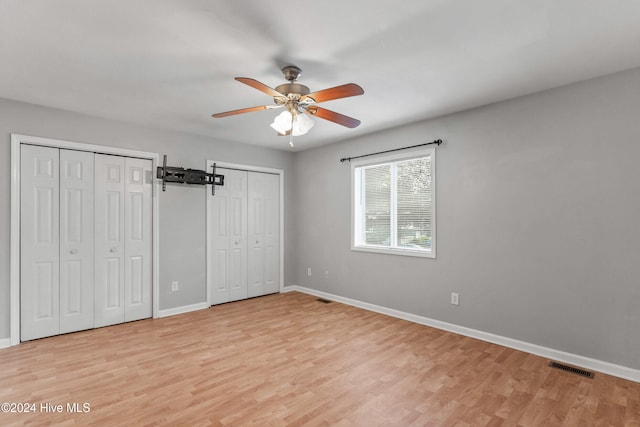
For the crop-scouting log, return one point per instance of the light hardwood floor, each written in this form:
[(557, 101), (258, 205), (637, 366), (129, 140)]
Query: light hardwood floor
[(290, 360)]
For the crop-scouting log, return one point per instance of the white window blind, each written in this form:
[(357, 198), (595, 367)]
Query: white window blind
[(414, 203), (394, 204), (377, 205)]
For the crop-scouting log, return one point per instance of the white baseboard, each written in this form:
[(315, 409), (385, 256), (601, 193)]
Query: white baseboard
[(550, 353), (6, 342), (181, 310)]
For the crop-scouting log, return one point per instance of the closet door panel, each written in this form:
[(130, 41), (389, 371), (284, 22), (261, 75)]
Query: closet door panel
[(138, 242), (256, 234), (271, 233), (109, 239), (220, 240), (229, 238), (238, 235), (220, 279), (76, 241), (39, 242), (264, 233)]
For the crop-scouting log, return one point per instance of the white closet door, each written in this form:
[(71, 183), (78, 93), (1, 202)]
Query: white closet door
[(138, 243), (220, 242), (229, 238), (271, 233), (109, 239), (238, 235), (263, 229), (256, 234), (39, 242), (76, 241)]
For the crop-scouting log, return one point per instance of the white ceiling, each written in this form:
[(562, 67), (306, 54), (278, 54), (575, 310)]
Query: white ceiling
[(170, 63)]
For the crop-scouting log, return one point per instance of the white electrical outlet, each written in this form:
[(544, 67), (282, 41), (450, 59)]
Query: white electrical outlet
[(175, 286), (455, 298), (326, 274), (309, 271)]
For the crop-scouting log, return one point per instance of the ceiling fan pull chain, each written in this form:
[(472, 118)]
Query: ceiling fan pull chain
[(291, 131)]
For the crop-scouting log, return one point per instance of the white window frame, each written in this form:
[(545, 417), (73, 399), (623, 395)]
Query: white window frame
[(357, 242)]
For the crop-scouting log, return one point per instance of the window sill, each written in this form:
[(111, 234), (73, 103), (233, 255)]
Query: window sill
[(389, 251)]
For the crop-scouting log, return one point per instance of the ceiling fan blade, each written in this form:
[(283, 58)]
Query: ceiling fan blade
[(260, 86), (332, 116), (245, 110), (344, 91)]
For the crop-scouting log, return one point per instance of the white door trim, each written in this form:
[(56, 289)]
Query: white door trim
[(249, 168), (16, 141)]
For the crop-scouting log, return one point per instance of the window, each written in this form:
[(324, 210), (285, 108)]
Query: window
[(394, 204)]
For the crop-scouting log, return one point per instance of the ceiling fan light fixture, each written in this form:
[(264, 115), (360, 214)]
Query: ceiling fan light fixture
[(282, 122), (302, 124), (300, 121)]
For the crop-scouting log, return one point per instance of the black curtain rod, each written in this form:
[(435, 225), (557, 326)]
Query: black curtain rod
[(437, 141)]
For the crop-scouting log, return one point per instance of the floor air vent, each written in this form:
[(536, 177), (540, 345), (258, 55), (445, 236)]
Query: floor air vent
[(322, 300), (571, 369)]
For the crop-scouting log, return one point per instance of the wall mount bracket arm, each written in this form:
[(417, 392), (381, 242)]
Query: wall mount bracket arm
[(188, 176)]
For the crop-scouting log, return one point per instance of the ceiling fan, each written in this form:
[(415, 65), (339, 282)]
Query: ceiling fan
[(299, 103)]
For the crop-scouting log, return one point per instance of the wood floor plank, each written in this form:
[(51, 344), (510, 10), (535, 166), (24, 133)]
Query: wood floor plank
[(288, 360)]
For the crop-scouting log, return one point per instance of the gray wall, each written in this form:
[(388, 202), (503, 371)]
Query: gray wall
[(182, 208), (538, 216)]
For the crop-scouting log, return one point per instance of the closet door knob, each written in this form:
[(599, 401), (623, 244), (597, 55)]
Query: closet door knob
[(113, 250), (73, 251)]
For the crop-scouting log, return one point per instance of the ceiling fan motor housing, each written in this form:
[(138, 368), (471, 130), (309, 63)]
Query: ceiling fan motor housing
[(293, 88)]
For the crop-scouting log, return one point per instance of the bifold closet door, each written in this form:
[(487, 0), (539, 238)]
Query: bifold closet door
[(138, 245), (272, 234), (264, 233), (229, 238), (109, 245), (123, 244), (76, 241), (39, 242), (56, 241)]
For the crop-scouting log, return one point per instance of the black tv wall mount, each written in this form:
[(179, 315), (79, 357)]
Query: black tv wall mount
[(188, 176)]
